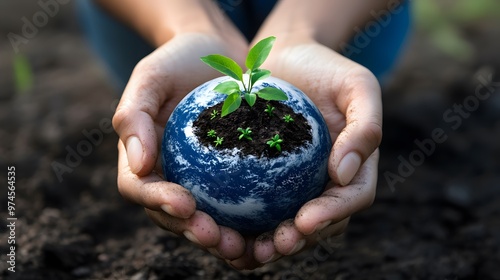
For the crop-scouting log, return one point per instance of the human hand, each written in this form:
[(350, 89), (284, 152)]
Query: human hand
[(348, 96), (156, 86)]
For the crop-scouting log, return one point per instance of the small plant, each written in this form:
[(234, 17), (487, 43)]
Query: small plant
[(275, 142), (269, 110), (211, 133), (255, 58), (218, 141), (288, 118), (214, 114), (245, 133)]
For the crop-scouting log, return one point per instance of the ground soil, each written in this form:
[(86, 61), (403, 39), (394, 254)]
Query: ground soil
[(439, 221), (263, 126)]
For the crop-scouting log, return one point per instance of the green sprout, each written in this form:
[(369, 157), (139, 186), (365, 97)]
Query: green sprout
[(288, 118), (269, 110), (211, 133), (218, 141), (255, 58), (23, 73), (245, 133), (214, 114), (275, 142)]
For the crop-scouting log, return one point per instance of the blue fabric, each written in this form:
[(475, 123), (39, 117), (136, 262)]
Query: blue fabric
[(116, 44), (376, 46)]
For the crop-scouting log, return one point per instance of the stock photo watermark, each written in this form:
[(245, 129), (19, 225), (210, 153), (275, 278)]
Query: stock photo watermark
[(306, 268), (454, 118), (39, 19), (372, 28), (11, 218), (84, 148)]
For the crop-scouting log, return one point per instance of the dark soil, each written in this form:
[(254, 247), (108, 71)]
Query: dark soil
[(440, 222), (264, 127)]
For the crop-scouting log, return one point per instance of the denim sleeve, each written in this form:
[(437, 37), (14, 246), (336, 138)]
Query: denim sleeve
[(377, 44)]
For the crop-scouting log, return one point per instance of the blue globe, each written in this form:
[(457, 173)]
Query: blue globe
[(249, 194)]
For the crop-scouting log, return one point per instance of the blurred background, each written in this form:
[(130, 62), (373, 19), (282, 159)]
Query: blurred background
[(438, 202)]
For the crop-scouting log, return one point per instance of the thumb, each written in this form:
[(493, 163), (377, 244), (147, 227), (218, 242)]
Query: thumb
[(134, 120), (362, 106)]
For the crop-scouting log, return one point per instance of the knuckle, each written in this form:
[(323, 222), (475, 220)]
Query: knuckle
[(119, 117), (373, 134)]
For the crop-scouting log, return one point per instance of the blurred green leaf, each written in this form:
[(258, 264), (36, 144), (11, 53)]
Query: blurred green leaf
[(448, 39), (443, 21), (465, 11), (427, 14), (23, 74)]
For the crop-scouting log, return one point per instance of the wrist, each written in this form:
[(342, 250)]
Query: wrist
[(158, 21), (327, 22), (194, 16)]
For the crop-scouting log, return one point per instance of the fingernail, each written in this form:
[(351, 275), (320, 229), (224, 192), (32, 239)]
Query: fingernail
[(190, 236), (298, 246), (134, 153), (273, 257), (231, 265), (348, 167), (167, 209), (214, 252), (322, 226)]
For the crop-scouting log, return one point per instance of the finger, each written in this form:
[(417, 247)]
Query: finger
[(200, 228), (135, 116), (152, 191), (288, 240), (264, 250), (231, 245), (247, 260), (340, 202), (361, 104), (329, 231)]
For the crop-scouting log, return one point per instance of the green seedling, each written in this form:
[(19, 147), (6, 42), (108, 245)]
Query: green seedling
[(214, 114), (218, 141), (255, 58), (211, 133), (275, 142), (269, 110), (288, 118), (245, 133)]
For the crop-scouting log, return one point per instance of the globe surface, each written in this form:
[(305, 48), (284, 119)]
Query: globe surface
[(246, 193)]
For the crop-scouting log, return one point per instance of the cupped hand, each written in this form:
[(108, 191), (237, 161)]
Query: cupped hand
[(156, 86), (348, 96)]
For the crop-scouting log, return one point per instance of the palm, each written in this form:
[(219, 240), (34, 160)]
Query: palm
[(156, 86), (348, 96), (174, 69)]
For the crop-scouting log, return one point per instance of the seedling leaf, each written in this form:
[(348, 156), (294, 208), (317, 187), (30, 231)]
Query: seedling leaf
[(232, 102), (250, 98), (228, 87), (211, 133), (258, 53), (214, 114), (225, 65), (271, 93), (288, 118), (275, 142), (218, 141), (259, 74), (245, 133), (269, 110)]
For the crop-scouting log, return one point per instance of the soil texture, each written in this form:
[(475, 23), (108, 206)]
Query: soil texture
[(263, 125)]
